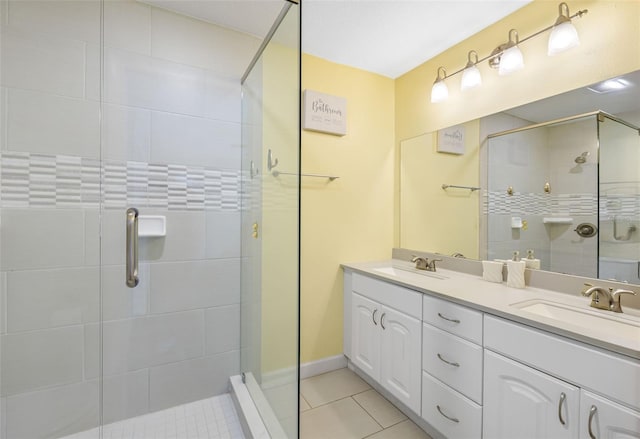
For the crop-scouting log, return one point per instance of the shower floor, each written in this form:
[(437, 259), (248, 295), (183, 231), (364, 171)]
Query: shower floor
[(209, 418)]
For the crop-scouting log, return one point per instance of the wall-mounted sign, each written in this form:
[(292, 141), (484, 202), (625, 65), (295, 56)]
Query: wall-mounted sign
[(451, 140), (324, 113)]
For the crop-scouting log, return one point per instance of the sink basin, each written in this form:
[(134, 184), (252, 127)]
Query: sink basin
[(409, 273), (616, 325)]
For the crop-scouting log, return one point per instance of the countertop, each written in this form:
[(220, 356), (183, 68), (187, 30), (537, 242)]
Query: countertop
[(496, 298)]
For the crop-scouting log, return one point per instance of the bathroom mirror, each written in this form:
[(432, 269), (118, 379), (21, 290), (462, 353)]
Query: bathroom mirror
[(541, 188)]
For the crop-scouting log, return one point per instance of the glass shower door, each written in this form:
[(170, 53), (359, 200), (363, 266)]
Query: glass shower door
[(619, 209), (270, 227)]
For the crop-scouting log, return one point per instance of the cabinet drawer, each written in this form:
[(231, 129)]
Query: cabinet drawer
[(394, 296), (464, 374), (453, 318), (448, 411), (569, 360)]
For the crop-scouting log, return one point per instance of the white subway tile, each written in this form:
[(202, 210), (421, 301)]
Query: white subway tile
[(223, 98), (125, 396), (53, 413), (43, 123), (223, 234), (222, 329), (78, 20), (127, 26), (185, 40), (118, 300), (196, 141), (42, 238), (40, 299), (126, 133), (195, 284), (37, 359), (184, 240), (42, 62), (139, 81), (134, 344), (192, 380)]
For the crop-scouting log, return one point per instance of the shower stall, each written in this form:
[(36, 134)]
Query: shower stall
[(146, 253), (570, 191)]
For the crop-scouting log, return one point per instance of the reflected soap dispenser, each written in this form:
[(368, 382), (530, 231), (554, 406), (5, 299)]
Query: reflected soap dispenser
[(515, 271), (531, 261)]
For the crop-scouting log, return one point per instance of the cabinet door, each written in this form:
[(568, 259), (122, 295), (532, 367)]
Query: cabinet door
[(400, 356), (601, 418), (365, 335), (521, 402)]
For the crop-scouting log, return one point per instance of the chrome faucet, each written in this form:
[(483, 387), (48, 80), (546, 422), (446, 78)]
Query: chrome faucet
[(600, 297), (431, 266), (616, 296)]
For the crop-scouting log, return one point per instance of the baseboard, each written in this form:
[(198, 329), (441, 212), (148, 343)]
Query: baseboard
[(322, 365)]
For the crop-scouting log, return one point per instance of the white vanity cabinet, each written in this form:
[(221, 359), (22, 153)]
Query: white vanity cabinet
[(527, 372), (520, 401), (385, 336), (452, 368), (601, 418)]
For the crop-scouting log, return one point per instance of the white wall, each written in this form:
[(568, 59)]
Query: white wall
[(169, 141)]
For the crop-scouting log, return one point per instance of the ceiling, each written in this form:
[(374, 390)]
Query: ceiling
[(388, 37)]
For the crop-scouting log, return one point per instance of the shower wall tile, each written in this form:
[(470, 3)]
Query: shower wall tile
[(92, 72), (188, 41), (193, 285), (91, 352), (74, 20), (184, 240), (127, 133), (33, 360), (139, 81), (222, 234), (192, 380), (127, 26), (120, 301), (142, 342), (42, 62), (49, 239), (196, 141), (63, 410), (40, 299), (222, 329), (125, 396), (43, 123), (223, 98)]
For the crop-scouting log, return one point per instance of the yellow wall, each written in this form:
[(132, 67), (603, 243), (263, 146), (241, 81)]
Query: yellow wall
[(610, 46), (351, 218)]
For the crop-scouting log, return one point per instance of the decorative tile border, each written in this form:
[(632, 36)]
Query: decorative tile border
[(37, 180), (499, 203)]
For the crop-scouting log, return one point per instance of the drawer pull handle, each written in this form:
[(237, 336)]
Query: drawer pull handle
[(592, 413), (456, 420), (450, 363), (563, 397), (382, 320), (448, 319), (373, 317)]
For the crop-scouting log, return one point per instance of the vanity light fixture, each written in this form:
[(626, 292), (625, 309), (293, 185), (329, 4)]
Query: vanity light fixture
[(507, 57), (511, 59), (471, 75), (440, 91), (564, 35)]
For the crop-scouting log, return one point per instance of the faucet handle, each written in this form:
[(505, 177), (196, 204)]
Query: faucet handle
[(616, 296), (415, 258)]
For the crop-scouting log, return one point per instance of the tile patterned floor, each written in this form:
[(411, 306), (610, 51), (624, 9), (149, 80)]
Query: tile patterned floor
[(211, 418), (340, 405)]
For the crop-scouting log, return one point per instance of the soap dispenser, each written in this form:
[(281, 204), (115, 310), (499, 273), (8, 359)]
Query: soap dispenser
[(531, 261), (515, 271)]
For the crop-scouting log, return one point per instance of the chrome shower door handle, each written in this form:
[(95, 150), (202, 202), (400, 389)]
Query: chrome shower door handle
[(132, 248)]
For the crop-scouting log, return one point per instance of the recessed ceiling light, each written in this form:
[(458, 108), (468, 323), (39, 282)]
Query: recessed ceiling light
[(610, 85)]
